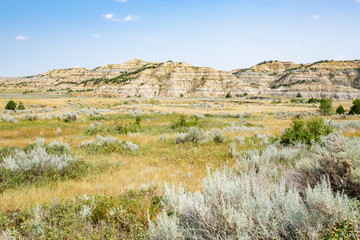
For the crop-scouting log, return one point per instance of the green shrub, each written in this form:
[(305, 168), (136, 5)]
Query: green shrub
[(11, 105), (181, 95), (355, 108), (299, 95), (305, 132), (340, 110), (325, 108), (152, 101), (313, 100), (21, 106), (124, 128), (228, 95), (183, 122)]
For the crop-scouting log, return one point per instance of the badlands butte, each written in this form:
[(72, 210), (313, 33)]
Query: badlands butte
[(136, 78)]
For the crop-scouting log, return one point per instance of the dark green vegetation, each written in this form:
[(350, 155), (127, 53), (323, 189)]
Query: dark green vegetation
[(305, 132), (355, 108), (11, 105), (325, 108), (121, 79), (340, 110)]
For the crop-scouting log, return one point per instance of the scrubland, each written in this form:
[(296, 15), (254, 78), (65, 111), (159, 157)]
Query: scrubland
[(81, 168)]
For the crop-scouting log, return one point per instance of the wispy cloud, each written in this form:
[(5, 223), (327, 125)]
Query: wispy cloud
[(111, 17), (22, 37), (96, 35), (123, 1), (129, 18), (316, 17), (358, 1), (295, 45), (132, 18)]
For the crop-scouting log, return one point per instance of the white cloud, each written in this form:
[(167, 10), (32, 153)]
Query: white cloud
[(123, 1), (316, 17), (129, 18), (22, 37), (341, 57), (358, 1), (295, 45), (132, 18), (111, 17), (96, 35)]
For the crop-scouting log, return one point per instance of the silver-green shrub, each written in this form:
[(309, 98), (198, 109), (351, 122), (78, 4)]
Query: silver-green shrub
[(36, 158), (7, 118), (249, 206), (194, 134)]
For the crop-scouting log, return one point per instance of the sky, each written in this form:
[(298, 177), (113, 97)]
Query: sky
[(41, 35)]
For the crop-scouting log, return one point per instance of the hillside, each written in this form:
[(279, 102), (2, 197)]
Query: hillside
[(335, 79)]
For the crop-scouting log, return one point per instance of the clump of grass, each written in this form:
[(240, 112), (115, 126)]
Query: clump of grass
[(129, 127), (108, 145)]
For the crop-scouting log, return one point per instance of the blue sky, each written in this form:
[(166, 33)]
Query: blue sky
[(40, 35)]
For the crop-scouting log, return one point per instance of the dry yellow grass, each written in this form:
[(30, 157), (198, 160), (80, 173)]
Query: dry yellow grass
[(156, 163)]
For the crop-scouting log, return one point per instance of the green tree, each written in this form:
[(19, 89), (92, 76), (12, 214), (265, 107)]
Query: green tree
[(299, 95), (355, 108), (21, 106), (181, 95), (325, 108), (340, 110), (11, 105), (228, 95)]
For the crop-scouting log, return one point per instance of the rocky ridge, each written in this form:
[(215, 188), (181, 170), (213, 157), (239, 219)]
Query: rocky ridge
[(335, 79)]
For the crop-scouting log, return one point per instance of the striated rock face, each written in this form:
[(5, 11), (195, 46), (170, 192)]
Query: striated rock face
[(274, 67), (172, 79), (335, 79)]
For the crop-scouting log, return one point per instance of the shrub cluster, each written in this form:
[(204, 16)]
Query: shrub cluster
[(305, 132), (107, 145), (38, 164), (275, 193)]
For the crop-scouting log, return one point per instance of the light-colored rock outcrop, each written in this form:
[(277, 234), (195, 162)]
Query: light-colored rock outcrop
[(336, 79)]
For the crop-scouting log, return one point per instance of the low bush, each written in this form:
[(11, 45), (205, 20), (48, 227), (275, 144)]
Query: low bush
[(38, 164), (108, 145), (129, 127), (21, 106), (69, 116), (248, 206), (183, 122), (193, 135), (11, 105), (305, 132), (336, 158), (8, 118)]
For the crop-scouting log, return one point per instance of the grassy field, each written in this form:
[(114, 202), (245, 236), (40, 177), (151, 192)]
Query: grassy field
[(114, 170)]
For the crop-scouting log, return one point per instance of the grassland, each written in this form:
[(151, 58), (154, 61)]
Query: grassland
[(158, 159)]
